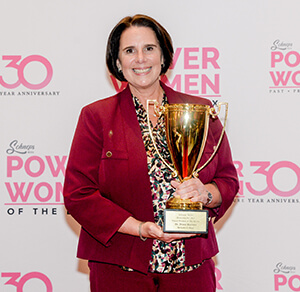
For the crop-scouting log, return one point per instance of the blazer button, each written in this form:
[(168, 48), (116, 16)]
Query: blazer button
[(108, 154)]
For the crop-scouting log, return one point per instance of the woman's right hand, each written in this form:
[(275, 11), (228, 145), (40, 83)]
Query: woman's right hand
[(152, 230)]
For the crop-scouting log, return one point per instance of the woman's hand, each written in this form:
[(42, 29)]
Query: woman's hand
[(152, 230), (149, 230), (196, 191)]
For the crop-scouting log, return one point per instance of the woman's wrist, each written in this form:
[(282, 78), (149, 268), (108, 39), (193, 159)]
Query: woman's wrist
[(209, 198), (140, 231), (214, 198)]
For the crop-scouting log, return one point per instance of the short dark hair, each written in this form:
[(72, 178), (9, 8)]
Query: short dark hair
[(113, 43)]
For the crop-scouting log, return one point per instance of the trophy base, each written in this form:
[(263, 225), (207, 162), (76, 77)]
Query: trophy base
[(186, 221), (185, 216)]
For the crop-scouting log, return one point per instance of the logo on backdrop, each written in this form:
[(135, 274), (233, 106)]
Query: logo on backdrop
[(25, 76), (19, 148), (15, 279), (218, 274), (33, 183), (268, 182), (194, 71), (285, 276), (284, 68)]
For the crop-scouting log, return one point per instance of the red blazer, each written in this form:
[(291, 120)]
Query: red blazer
[(107, 181)]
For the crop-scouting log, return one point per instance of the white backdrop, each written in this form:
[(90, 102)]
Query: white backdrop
[(52, 63)]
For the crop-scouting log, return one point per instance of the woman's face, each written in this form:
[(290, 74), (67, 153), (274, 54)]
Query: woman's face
[(140, 57)]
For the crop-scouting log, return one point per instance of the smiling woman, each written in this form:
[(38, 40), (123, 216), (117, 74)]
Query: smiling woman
[(116, 186), (140, 60)]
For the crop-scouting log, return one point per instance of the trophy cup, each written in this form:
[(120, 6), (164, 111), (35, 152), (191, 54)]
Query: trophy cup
[(186, 127)]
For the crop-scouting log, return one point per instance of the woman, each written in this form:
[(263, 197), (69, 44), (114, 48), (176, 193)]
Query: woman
[(116, 186)]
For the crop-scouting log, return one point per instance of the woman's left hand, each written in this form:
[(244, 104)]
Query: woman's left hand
[(196, 191)]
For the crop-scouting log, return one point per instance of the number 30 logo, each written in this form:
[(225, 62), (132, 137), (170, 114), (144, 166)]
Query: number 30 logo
[(20, 66), (22, 281), (265, 169)]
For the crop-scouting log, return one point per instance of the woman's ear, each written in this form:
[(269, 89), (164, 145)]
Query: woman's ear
[(119, 66), (162, 62)]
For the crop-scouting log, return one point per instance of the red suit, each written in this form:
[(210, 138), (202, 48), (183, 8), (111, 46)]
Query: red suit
[(107, 181)]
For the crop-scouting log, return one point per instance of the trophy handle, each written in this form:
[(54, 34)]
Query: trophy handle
[(214, 115), (158, 110)]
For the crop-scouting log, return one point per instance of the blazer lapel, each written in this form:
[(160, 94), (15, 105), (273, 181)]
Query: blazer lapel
[(172, 95), (138, 168)]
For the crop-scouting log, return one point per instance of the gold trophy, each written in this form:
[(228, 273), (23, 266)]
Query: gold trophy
[(186, 127)]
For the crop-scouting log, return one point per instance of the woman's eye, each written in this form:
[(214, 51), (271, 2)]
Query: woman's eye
[(129, 51), (149, 48)]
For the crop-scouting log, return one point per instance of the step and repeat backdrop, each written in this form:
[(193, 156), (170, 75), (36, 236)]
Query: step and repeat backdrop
[(52, 63)]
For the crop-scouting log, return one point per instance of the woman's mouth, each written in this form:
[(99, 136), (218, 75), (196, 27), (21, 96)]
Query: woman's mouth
[(141, 71)]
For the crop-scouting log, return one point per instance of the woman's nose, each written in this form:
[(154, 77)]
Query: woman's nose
[(140, 57)]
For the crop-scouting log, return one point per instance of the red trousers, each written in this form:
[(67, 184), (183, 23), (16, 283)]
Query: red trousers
[(111, 278)]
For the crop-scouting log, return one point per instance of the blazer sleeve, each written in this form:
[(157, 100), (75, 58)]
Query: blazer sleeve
[(226, 175), (99, 216)]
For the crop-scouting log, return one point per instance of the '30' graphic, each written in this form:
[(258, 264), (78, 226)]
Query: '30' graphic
[(22, 281), (268, 171), (17, 63)]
